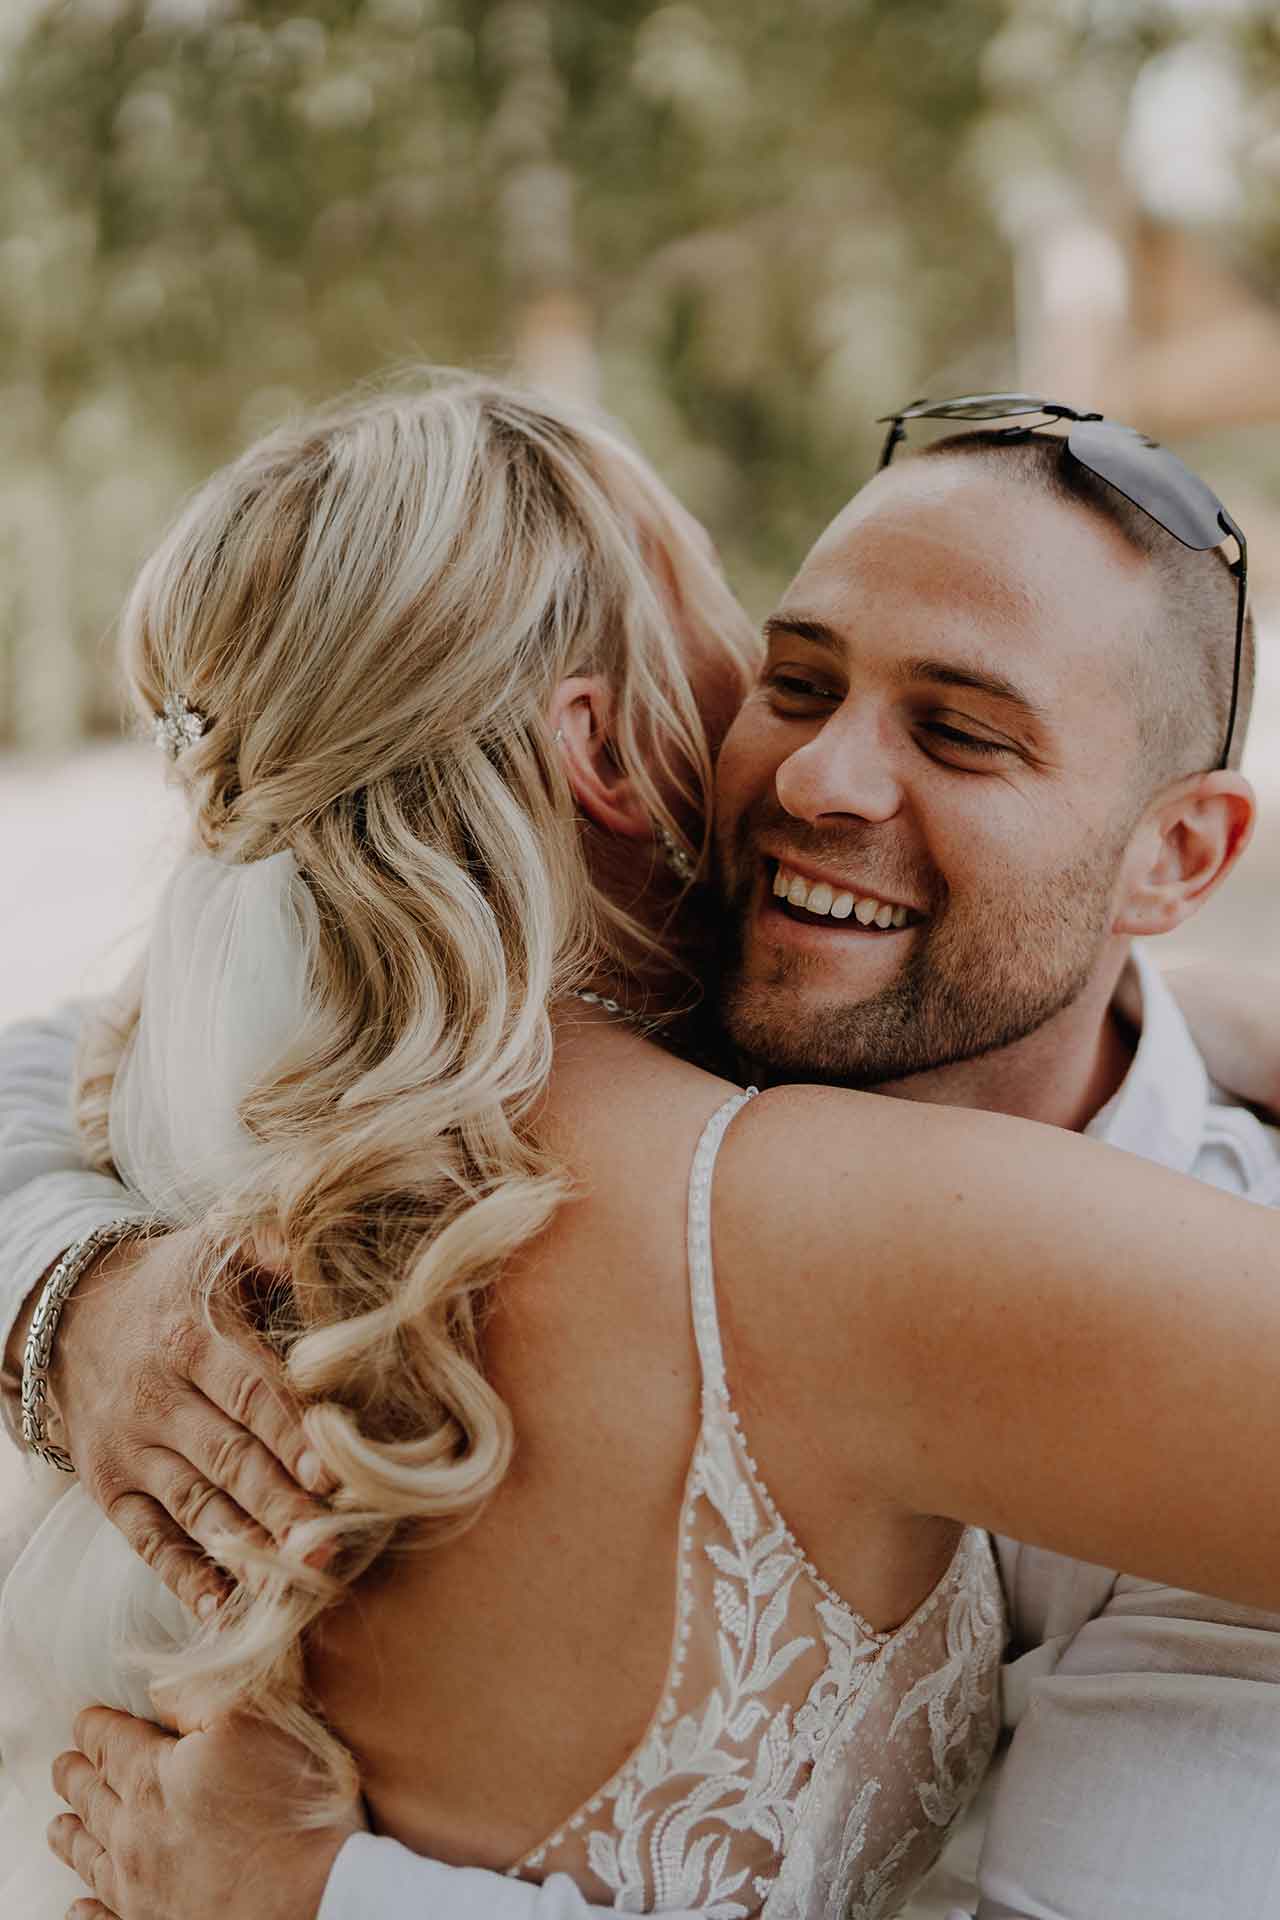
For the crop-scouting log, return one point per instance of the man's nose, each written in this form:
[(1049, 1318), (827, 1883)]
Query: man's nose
[(847, 769)]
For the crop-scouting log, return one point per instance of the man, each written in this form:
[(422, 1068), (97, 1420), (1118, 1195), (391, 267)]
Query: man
[(989, 698), (973, 769)]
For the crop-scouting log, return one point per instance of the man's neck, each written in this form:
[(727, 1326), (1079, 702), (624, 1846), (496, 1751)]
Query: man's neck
[(1062, 1074)]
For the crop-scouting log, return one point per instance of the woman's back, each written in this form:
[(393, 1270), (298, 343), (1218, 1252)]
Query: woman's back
[(488, 1709)]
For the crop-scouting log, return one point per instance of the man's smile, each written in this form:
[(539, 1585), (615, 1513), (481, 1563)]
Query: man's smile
[(795, 907), (823, 898)]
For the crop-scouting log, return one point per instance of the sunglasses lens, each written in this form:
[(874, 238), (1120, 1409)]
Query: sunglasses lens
[(1152, 478), (985, 406), (970, 406)]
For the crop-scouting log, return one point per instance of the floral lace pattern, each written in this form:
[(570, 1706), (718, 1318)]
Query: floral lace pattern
[(801, 1765)]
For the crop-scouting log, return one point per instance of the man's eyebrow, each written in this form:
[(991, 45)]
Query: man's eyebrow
[(980, 679), (813, 631), (944, 673)]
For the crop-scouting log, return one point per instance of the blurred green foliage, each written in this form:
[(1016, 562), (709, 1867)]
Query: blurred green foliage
[(770, 218)]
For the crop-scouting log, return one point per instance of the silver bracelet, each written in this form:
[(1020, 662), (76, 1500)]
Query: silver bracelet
[(38, 1351)]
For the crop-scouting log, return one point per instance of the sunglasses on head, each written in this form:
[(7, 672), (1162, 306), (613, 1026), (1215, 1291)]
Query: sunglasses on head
[(1148, 475)]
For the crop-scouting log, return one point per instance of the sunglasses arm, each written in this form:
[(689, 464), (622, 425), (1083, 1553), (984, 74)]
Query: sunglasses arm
[(1240, 568), (896, 435)]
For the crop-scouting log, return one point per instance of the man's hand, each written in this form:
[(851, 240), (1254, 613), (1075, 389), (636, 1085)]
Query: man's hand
[(191, 1828), (178, 1433)]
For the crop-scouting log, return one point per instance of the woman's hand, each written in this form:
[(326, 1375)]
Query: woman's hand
[(192, 1827), (178, 1433)]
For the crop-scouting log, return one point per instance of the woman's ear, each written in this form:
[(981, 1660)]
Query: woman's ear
[(581, 716)]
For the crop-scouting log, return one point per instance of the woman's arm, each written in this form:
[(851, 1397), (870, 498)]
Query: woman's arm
[(1234, 1019), (1012, 1325)]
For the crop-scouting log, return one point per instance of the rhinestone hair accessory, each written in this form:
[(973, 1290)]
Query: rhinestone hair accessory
[(178, 726), (677, 859)]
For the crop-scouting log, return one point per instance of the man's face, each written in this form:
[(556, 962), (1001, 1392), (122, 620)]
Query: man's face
[(941, 728)]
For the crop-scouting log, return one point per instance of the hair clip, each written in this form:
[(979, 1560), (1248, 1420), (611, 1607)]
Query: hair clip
[(179, 726)]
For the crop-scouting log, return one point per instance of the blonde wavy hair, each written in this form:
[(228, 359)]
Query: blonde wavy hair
[(373, 607)]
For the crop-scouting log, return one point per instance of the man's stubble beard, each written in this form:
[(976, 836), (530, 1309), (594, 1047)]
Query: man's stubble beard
[(967, 987)]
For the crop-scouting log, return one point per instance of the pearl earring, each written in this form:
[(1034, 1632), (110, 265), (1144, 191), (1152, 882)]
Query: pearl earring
[(678, 860)]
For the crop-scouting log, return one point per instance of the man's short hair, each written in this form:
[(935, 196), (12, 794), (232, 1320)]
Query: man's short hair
[(1181, 671)]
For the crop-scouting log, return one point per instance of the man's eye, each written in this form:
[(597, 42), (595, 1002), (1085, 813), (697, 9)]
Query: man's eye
[(795, 686), (967, 742)]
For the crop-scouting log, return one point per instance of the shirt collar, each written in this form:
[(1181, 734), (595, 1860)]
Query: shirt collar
[(1159, 1108)]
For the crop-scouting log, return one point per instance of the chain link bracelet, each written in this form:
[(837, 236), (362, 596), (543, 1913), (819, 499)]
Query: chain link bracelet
[(38, 1351)]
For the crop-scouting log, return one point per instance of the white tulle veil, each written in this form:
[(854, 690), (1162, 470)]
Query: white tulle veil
[(224, 993), (224, 996)]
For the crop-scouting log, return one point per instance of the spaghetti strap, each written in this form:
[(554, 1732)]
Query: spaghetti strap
[(702, 1286)]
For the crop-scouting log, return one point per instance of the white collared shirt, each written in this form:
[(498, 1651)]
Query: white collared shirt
[(1143, 1777), (1168, 1110)]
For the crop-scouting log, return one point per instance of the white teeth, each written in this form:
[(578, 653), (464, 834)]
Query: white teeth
[(821, 899)]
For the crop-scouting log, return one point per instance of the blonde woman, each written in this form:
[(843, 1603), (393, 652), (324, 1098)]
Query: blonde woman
[(442, 675)]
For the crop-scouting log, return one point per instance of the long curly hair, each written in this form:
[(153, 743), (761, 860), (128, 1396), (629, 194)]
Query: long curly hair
[(373, 608)]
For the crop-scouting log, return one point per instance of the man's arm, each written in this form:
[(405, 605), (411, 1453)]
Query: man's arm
[(378, 1879), (178, 1433), (48, 1197), (1143, 1779), (201, 1824)]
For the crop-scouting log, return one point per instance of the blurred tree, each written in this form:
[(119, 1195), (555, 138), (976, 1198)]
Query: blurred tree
[(748, 225)]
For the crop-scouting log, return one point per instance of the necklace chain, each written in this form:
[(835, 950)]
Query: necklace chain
[(615, 1007)]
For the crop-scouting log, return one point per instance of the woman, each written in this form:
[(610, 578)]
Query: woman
[(406, 652)]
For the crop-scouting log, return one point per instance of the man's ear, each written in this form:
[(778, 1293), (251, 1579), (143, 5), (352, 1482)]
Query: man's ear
[(581, 716), (1182, 850)]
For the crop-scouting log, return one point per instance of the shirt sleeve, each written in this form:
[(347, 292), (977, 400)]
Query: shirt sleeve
[(48, 1197), (378, 1879), (1143, 1777)]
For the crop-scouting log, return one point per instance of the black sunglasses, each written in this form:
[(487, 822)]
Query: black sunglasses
[(1147, 474)]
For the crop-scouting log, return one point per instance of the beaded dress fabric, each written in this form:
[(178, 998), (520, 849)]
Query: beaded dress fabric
[(801, 1764)]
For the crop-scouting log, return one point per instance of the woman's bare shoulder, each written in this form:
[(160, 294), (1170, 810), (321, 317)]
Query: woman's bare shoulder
[(626, 1114)]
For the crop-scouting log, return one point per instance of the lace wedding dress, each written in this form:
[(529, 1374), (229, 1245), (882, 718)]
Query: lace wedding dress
[(801, 1764)]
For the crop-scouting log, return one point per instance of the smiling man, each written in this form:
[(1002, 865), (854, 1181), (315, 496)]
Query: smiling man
[(973, 768), (986, 750), (982, 755)]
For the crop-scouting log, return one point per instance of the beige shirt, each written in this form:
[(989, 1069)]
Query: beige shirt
[(1142, 1781)]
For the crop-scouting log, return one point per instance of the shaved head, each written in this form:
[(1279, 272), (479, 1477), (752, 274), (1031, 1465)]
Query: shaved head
[(1178, 672)]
